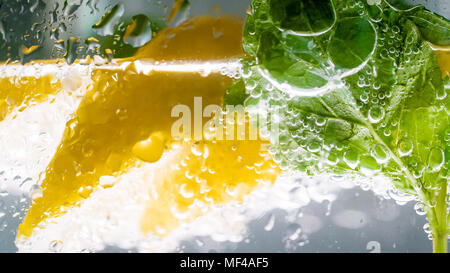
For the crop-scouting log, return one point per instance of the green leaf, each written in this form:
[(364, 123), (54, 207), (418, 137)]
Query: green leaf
[(309, 17), (352, 42), (236, 94), (434, 28), (363, 98)]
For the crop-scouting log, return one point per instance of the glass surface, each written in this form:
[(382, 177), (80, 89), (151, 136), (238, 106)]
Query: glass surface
[(298, 214)]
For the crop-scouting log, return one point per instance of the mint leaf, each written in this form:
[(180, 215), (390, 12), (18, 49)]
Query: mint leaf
[(310, 17), (236, 94), (364, 97), (434, 28), (352, 43)]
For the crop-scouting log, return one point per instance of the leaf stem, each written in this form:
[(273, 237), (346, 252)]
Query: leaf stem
[(437, 216), (440, 243)]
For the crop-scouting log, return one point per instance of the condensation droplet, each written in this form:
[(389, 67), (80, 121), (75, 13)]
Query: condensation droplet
[(139, 32), (109, 20)]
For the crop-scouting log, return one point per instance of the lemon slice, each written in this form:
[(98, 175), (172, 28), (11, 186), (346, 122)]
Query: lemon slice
[(124, 122)]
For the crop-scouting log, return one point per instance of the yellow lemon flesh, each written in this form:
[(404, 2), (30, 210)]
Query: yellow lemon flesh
[(18, 92), (443, 57), (125, 120)]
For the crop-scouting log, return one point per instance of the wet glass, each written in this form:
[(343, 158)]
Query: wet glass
[(296, 214)]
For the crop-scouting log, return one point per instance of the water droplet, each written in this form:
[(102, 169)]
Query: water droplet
[(314, 147), (376, 114), (380, 153), (2, 31), (71, 50), (369, 166), (436, 159), (179, 13), (441, 93), (364, 98), (400, 197), (419, 208), (71, 9), (109, 20), (426, 228), (333, 159), (320, 121), (351, 157), (139, 32), (405, 147)]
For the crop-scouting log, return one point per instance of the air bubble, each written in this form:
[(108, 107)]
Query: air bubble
[(426, 228), (436, 159), (351, 157), (186, 192), (376, 114), (419, 208), (405, 147), (380, 153), (369, 166)]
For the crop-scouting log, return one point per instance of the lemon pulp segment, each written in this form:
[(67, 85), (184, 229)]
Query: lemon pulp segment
[(18, 92), (207, 174), (443, 57)]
